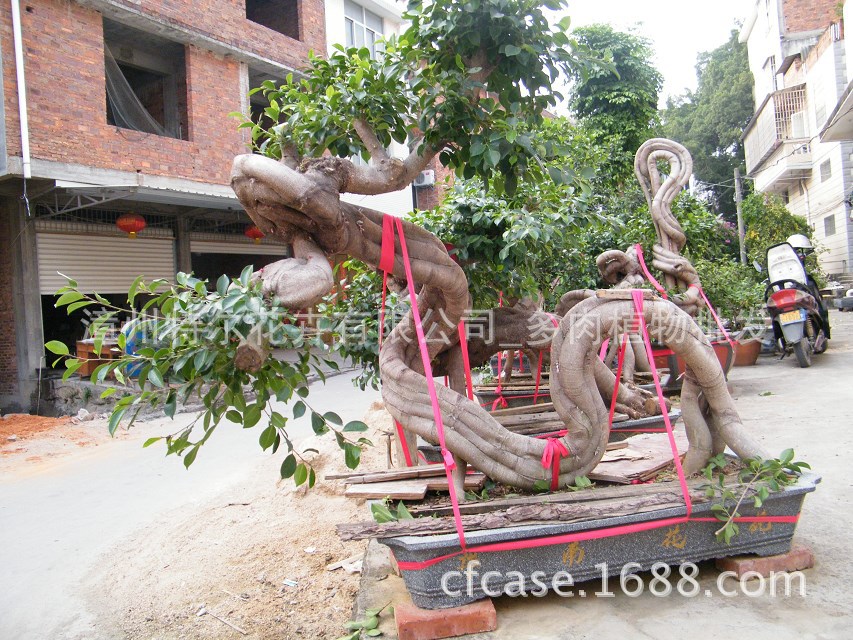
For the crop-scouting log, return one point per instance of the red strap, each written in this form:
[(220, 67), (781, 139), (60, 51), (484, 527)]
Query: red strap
[(386, 259), (554, 450), (649, 276), (603, 351), (436, 409)]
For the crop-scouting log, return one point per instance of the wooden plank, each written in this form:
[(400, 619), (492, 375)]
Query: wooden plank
[(542, 407), (565, 497), (411, 489), (546, 513), (422, 471), (527, 418), (400, 490), (622, 294), (654, 453)]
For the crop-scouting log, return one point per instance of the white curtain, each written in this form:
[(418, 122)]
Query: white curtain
[(128, 111)]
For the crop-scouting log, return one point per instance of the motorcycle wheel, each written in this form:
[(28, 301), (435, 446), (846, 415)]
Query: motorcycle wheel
[(803, 351)]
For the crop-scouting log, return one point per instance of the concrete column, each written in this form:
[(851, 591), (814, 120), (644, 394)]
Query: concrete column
[(183, 255), (27, 326)]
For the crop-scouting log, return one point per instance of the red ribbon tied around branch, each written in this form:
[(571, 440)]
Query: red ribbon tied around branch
[(554, 450)]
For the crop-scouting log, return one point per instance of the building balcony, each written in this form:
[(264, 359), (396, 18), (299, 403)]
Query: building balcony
[(776, 142), (790, 162)]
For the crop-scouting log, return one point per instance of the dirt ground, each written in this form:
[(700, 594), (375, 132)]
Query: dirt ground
[(227, 561)]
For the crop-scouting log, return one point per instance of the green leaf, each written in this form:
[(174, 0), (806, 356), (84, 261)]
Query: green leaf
[(251, 416), (318, 424), (151, 441), (511, 50), (246, 275), (298, 409), (786, 456), (373, 633), (288, 466), (108, 392), (71, 368), (57, 347), (68, 298), (155, 377), (300, 475), (190, 457), (267, 437), (355, 426), (381, 513), (234, 416), (403, 512), (78, 305), (115, 418), (334, 418), (352, 455)]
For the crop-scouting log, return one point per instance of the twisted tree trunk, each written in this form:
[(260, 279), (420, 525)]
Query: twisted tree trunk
[(301, 204)]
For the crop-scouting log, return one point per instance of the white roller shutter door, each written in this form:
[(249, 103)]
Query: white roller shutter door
[(238, 247), (102, 264)]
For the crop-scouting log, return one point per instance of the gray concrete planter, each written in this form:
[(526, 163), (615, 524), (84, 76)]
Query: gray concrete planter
[(675, 544)]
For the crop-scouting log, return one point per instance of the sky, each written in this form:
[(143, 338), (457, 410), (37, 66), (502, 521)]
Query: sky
[(678, 29)]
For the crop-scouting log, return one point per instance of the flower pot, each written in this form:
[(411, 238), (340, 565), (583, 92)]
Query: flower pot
[(686, 540), (747, 352)]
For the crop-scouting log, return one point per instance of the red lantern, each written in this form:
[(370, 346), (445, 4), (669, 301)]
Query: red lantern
[(131, 224), (253, 232)]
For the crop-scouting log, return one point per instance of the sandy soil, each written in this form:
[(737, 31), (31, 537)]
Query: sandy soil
[(230, 558), (28, 439)]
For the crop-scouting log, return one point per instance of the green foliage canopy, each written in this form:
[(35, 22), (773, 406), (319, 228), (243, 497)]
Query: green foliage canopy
[(621, 106)]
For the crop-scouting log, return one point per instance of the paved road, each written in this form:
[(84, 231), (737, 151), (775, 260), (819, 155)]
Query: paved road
[(56, 522)]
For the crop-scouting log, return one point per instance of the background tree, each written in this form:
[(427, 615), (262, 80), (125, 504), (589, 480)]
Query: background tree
[(711, 121), (622, 108)]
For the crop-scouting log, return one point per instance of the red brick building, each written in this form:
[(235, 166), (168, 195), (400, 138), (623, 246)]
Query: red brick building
[(126, 109)]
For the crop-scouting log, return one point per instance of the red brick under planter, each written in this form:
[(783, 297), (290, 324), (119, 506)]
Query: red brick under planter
[(798, 558), (414, 623)]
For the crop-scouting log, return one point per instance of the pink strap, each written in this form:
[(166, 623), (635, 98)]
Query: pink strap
[(603, 351), (713, 313), (466, 361), (539, 366), (554, 450), (401, 436), (621, 361), (382, 308), (538, 377), (581, 536), (386, 259), (433, 396), (610, 532), (649, 276)]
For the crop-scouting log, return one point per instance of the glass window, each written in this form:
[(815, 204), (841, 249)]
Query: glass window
[(362, 27), (829, 225)]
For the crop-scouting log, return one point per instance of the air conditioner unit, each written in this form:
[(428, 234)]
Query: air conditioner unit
[(425, 179), (798, 125)]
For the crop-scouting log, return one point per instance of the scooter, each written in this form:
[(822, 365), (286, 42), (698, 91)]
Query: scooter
[(792, 305)]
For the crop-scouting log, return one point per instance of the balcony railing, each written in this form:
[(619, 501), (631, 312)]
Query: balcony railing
[(781, 118)]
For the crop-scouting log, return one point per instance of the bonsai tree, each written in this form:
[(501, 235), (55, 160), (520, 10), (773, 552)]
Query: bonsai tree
[(466, 84)]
